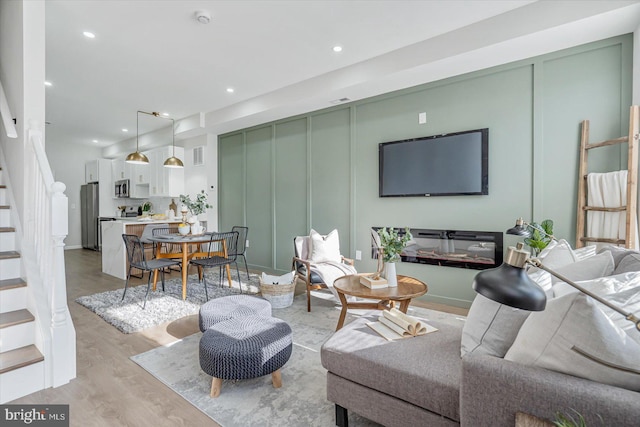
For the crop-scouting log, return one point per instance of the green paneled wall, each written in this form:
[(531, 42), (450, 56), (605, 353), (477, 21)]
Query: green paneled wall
[(321, 170)]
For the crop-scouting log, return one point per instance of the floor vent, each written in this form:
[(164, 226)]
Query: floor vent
[(198, 156)]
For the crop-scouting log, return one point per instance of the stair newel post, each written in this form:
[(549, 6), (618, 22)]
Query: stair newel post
[(63, 343)]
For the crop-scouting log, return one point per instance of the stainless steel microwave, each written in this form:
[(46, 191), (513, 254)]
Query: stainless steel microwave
[(122, 188)]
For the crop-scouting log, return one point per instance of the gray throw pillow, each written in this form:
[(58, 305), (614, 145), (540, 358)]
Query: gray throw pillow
[(490, 327), (629, 263), (618, 253)]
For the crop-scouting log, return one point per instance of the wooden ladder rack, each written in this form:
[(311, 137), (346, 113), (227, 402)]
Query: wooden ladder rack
[(632, 183)]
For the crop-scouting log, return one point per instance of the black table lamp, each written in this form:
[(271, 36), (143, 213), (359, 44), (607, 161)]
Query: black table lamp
[(509, 284)]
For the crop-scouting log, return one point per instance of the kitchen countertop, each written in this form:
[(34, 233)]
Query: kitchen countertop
[(134, 220)]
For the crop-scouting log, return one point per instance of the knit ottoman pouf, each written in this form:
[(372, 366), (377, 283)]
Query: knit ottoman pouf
[(225, 308), (244, 348)]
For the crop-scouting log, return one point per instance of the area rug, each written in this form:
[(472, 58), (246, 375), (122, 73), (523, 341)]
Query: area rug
[(128, 316), (301, 401)]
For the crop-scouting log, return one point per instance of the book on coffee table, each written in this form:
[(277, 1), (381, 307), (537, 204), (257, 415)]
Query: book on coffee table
[(394, 325)]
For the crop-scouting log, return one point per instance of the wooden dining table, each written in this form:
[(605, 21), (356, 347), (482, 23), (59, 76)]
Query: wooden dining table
[(185, 241)]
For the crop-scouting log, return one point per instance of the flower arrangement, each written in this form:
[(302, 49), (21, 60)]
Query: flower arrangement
[(197, 206), (392, 242)]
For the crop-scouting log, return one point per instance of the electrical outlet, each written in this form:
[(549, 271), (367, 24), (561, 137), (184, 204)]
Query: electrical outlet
[(247, 243), (359, 255), (422, 118)]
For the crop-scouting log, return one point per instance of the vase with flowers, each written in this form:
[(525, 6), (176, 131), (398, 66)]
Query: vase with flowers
[(196, 207), (390, 243)]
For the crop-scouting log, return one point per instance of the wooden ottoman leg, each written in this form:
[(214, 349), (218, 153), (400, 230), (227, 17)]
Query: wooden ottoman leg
[(276, 379), (216, 386)]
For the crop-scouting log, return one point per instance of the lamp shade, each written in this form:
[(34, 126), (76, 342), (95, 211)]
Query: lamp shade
[(173, 162), (511, 286), (137, 158), (519, 230)]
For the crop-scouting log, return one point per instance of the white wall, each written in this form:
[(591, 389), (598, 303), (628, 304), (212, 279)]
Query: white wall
[(203, 177), (67, 162), (22, 70)]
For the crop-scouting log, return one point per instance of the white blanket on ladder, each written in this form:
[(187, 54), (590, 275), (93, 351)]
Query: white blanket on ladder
[(607, 190)]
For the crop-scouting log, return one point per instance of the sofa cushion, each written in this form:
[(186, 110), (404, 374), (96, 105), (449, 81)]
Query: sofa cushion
[(491, 327), (424, 371), (572, 335)]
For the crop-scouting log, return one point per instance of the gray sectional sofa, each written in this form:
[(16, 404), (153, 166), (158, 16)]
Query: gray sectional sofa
[(423, 381)]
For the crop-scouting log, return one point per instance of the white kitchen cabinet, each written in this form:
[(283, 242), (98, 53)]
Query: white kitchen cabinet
[(100, 171), (165, 182), (91, 171), (118, 169)]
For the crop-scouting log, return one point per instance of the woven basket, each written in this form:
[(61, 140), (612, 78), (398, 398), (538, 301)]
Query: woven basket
[(280, 296)]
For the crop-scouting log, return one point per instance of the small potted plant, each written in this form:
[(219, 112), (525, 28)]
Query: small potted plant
[(392, 242)]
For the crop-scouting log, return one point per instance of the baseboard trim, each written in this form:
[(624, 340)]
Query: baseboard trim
[(66, 248)]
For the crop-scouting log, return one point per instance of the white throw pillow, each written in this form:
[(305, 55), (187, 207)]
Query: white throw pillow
[(622, 290), (584, 252), (490, 327), (573, 336), (557, 254), (325, 248), (285, 279)]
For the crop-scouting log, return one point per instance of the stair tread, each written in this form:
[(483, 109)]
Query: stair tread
[(9, 254), (16, 317), (20, 357), (3, 186), (7, 229), (12, 283), (5, 207)]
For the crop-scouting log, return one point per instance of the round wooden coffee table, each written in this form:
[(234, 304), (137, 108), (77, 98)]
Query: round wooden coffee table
[(407, 289)]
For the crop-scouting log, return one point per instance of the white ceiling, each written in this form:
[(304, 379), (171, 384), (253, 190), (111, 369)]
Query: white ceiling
[(277, 55)]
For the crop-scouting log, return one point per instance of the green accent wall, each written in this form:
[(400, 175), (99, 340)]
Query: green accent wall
[(320, 170)]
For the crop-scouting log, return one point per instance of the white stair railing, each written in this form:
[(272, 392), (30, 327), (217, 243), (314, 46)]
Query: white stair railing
[(45, 228), (7, 117)]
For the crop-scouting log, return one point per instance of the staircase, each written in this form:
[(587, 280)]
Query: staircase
[(21, 361)]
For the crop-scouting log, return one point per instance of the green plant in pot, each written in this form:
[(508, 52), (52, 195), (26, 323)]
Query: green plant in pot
[(392, 242), (541, 236)]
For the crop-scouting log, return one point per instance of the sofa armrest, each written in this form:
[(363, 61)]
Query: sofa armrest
[(493, 390)]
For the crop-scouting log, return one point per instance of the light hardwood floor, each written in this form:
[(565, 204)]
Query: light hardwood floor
[(110, 389)]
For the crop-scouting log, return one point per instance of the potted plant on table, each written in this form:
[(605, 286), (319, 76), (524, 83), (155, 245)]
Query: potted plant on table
[(391, 243), (196, 207)]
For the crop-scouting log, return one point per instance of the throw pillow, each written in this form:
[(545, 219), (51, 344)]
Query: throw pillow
[(491, 327), (557, 254), (629, 263), (584, 252), (617, 252), (573, 336), (597, 266), (325, 248), (623, 290)]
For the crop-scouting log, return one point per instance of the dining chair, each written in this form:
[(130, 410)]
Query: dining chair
[(137, 259), (222, 251), (242, 244)]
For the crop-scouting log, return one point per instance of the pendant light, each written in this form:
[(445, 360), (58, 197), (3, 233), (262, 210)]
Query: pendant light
[(138, 158), (173, 161)]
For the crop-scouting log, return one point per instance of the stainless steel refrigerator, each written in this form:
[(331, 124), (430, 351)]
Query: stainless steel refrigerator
[(89, 216)]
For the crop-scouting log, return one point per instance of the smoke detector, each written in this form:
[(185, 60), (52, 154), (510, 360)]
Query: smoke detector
[(203, 16)]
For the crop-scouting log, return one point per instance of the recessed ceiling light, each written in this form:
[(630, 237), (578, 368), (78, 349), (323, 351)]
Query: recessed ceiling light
[(48, 84), (89, 35), (165, 114), (125, 130), (337, 48), (230, 90), (95, 141)]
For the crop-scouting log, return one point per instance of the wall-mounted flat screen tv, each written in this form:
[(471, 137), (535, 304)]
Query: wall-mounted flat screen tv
[(439, 165)]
